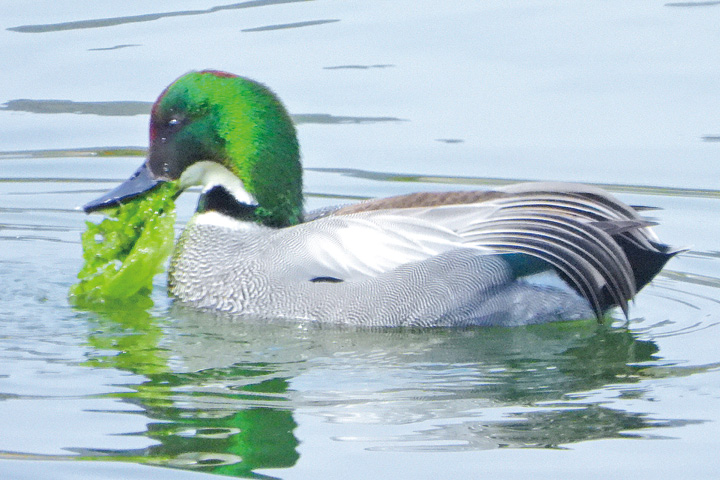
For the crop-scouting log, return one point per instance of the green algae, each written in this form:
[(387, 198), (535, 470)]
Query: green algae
[(127, 249)]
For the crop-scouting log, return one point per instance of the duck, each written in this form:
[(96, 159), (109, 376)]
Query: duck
[(524, 254)]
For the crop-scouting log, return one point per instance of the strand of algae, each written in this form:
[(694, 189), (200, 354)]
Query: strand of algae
[(127, 249)]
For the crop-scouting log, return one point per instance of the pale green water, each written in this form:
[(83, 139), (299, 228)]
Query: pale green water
[(389, 98)]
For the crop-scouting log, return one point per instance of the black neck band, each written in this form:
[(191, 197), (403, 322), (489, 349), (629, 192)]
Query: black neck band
[(218, 199)]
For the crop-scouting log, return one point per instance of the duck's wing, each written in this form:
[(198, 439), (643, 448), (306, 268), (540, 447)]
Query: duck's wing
[(359, 246), (600, 245)]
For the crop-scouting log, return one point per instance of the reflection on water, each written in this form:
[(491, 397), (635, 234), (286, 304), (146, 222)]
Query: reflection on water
[(221, 392), (551, 428), (197, 427)]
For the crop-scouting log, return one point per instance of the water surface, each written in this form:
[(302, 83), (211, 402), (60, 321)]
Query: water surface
[(389, 98)]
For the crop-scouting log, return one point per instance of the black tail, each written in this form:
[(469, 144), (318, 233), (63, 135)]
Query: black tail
[(646, 263)]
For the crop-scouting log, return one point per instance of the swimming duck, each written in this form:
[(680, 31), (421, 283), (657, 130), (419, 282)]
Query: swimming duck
[(524, 254)]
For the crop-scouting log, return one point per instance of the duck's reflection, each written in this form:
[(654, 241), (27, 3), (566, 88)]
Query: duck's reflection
[(222, 391)]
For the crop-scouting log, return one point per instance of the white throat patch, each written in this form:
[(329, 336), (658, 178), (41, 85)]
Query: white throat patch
[(211, 174)]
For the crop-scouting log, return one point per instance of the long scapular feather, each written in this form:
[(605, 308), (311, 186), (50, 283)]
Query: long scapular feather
[(585, 255), (581, 231)]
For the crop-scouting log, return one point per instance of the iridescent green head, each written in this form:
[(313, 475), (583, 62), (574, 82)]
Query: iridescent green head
[(232, 136)]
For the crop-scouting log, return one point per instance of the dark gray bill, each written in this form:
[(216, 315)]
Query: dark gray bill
[(140, 182)]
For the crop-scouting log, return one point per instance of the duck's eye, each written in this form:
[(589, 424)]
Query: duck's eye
[(174, 122)]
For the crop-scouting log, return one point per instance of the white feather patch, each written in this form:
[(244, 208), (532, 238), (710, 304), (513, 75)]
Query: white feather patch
[(211, 174), (358, 246)]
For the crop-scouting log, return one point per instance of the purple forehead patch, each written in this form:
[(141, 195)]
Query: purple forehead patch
[(219, 73)]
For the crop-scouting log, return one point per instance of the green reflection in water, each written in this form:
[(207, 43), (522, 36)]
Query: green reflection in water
[(193, 435)]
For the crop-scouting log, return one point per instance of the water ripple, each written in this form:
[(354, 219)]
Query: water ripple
[(284, 26), (148, 17)]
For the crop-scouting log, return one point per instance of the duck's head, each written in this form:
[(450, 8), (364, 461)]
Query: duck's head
[(228, 134)]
